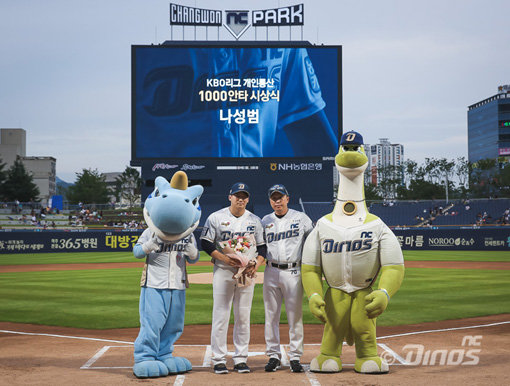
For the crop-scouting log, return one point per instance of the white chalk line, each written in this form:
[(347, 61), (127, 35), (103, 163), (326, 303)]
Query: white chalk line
[(393, 353), (94, 358), (311, 377), (201, 345), (65, 336), (207, 356), (443, 329), (285, 359), (179, 380), (429, 331)]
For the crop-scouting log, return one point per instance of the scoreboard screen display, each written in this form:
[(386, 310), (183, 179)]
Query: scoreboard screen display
[(193, 101)]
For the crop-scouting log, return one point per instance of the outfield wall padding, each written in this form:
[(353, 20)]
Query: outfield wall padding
[(37, 241)]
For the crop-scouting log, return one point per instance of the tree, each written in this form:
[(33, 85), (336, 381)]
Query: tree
[(19, 185), (371, 193), (3, 177), (390, 177), (482, 177), (90, 188), (129, 186), (462, 171)]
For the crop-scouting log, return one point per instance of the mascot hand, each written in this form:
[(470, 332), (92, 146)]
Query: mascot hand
[(152, 245), (376, 303), (317, 307), (190, 250)]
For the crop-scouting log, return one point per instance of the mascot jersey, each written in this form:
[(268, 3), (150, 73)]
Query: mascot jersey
[(165, 268), (352, 257), (168, 97)]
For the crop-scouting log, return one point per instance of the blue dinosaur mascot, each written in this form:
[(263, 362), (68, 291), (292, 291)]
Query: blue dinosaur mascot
[(350, 247), (172, 213)]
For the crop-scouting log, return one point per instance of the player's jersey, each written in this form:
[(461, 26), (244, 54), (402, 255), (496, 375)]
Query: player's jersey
[(169, 104), (351, 257), (222, 225), (165, 268), (285, 236)]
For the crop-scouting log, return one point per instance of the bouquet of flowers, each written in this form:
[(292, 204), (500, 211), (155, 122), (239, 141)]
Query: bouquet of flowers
[(243, 249)]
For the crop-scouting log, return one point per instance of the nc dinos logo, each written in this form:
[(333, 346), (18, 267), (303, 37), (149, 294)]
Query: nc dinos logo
[(361, 244), (287, 234), (236, 22)]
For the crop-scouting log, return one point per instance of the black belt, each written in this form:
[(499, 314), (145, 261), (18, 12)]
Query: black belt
[(283, 266)]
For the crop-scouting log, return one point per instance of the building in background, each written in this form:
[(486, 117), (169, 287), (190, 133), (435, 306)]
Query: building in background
[(43, 169), (13, 144), (380, 156), (489, 127), (111, 183)]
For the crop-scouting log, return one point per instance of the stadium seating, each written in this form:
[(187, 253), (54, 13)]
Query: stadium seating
[(395, 213), (427, 212)]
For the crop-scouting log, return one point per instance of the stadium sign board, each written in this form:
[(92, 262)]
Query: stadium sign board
[(237, 21)]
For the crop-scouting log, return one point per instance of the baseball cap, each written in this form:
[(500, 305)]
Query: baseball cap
[(351, 138), (278, 188), (239, 187)]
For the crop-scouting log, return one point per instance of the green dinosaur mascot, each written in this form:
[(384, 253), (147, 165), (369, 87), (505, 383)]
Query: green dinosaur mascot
[(349, 247)]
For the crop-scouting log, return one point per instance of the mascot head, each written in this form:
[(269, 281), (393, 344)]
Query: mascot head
[(172, 211), (351, 159)]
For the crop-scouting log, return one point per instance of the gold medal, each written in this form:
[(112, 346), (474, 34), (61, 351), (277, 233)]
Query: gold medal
[(349, 208)]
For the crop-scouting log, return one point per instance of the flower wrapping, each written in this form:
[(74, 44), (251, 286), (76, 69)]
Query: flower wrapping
[(243, 249)]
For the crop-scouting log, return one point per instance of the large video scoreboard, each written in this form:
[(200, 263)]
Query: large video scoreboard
[(225, 112)]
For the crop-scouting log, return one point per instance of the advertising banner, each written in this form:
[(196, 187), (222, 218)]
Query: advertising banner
[(67, 241), (489, 239), (469, 239)]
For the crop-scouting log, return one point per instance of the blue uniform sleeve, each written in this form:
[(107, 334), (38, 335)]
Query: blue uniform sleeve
[(300, 93)]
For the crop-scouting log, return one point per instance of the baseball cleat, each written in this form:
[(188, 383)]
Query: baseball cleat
[(273, 364), (242, 368), (220, 368), (296, 367)]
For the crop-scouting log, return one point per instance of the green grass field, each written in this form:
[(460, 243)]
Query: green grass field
[(74, 258), (126, 257), (108, 298)]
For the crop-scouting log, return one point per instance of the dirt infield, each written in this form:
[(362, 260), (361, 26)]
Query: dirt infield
[(469, 351), (498, 265), (473, 351)]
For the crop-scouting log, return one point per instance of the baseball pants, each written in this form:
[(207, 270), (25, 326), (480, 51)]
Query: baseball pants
[(279, 285), (226, 293)]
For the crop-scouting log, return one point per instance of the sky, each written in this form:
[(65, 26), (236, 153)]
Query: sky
[(410, 69)]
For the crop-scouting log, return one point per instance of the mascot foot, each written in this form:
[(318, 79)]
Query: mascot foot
[(150, 369), (326, 364), (177, 365), (371, 365)]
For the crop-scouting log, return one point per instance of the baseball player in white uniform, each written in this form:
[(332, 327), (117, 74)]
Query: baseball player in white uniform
[(285, 232), (223, 225)]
